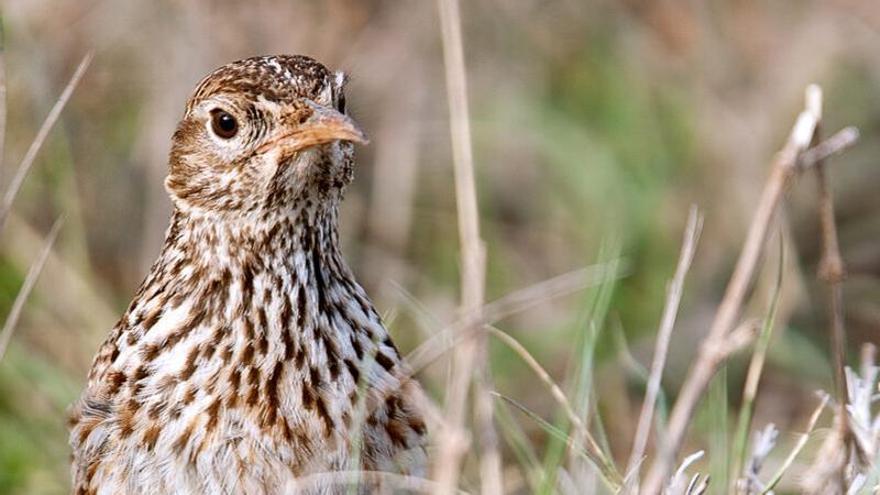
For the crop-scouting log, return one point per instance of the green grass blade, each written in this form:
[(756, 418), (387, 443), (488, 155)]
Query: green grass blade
[(744, 422), (521, 447)]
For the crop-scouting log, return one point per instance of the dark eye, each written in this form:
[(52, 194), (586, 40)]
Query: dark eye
[(341, 103), (223, 124)]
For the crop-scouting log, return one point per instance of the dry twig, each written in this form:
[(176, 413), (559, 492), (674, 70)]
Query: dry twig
[(715, 347), (839, 142), (29, 157), (664, 334), (25, 291), (832, 272), (505, 306), (469, 362)]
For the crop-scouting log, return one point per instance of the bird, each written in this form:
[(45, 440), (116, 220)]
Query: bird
[(250, 359)]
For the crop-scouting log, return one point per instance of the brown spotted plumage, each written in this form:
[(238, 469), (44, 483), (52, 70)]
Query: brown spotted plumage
[(240, 364)]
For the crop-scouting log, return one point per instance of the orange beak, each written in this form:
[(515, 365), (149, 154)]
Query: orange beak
[(325, 125)]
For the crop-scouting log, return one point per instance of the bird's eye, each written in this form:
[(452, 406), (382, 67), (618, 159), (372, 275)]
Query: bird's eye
[(223, 124)]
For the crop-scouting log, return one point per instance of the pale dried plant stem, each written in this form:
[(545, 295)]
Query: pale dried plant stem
[(470, 359), (503, 307), (801, 442), (591, 447), (667, 322), (840, 141), (713, 351), (832, 271), (26, 288), (484, 416), (31, 154), (558, 286)]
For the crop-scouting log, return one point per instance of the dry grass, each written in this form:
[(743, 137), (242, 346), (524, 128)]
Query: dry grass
[(468, 366), (27, 162), (26, 288), (664, 335)]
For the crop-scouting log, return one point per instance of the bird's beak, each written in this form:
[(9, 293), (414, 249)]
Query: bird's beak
[(324, 125)]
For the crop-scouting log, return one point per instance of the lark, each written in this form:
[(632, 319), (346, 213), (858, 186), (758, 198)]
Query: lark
[(240, 365)]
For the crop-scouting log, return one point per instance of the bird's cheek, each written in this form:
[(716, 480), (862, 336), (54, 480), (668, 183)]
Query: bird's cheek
[(283, 169), (277, 158)]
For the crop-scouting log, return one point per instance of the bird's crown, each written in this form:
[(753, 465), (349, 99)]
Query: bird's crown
[(275, 78)]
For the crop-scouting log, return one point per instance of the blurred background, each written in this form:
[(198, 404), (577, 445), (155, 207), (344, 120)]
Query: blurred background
[(596, 123)]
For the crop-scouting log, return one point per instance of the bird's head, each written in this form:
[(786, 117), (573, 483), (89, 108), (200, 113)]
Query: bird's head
[(260, 135)]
